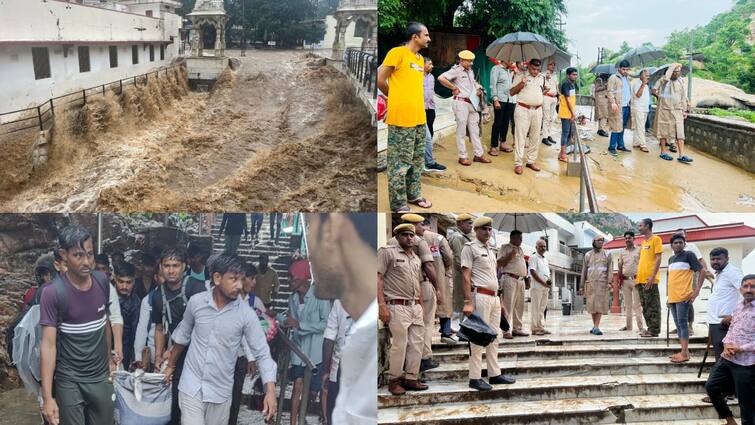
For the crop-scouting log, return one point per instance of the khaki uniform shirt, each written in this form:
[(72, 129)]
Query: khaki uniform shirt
[(600, 95), (443, 257), (628, 260), (517, 265), (267, 283), (532, 93), (597, 266), (480, 258), (552, 85), (421, 249), (463, 79), (401, 273), (458, 240)]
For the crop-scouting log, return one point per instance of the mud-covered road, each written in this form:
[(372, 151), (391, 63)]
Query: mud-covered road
[(282, 132)]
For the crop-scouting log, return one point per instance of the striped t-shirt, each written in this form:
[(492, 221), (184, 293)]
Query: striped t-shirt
[(681, 271), (81, 348)]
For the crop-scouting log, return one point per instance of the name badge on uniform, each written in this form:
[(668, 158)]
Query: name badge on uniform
[(435, 250), (399, 260), (483, 255)]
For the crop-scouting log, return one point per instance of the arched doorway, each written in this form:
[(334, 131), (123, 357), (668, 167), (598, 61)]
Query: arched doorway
[(209, 35)]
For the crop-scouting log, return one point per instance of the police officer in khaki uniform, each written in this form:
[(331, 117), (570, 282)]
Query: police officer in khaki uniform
[(443, 259), (431, 293), (530, 89), (549, 103), (629, 259), (464, 235), (514, 268), (460, 80), (478, 265), (597, 272), (399, 307)]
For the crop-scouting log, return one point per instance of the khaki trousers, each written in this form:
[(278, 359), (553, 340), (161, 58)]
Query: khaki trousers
[(639, 118), (446, 307), (526, 134), (488, 307), (549, 110), (458, 290), (407, 333), (632, 302), (467, 118), (429, 304), (603, 124), (539, 302), (513, 300)]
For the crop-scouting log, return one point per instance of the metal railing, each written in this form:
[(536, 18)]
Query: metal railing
[(38, 116), (363, 67), (309, 370), (586, 188)]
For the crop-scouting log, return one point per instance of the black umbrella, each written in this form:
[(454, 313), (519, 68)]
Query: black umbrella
[(520, 46), (640, 55), (604, 68)]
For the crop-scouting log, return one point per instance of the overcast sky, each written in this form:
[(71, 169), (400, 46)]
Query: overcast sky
[(607, 23)]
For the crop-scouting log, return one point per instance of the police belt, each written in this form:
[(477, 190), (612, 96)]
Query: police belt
[(463, 99), (515, 276), (484, 291), (402, 302)]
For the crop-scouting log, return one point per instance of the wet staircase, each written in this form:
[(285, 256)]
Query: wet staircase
[(568, 379), (279, 254)]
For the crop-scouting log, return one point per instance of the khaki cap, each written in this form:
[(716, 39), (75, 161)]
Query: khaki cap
[(483, 221), (463, 217), (412, 218), (466, 54), (404, 227)]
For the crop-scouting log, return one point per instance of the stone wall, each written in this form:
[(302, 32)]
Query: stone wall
[(730, 140)]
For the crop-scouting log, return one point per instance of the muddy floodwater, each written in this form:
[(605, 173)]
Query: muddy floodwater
[(635, 181), (282, 132)]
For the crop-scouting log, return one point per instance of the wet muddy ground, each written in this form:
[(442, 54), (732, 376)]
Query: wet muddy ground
[(283, 132), (635, 181)]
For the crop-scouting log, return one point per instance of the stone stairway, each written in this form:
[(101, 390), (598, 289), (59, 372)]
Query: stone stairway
[(279, 255), (570, 377)]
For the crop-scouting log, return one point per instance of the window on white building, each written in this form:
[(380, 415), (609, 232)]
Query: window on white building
[(148, 13), (114, 56), (151, 52), (41, 59), (83, 58), (134, 54), (162, 52)]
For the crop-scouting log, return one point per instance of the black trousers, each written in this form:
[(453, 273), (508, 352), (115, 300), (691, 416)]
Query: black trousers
[(717, 334), (238, 384), (332, 395), (430, 116), (501, 120), (727, 377)]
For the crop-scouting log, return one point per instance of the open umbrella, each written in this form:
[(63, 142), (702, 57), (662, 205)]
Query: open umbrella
[(651, 70), (658, 73), (642, 54), (520, 46), (604, 68), (524, 222), (563, 59)]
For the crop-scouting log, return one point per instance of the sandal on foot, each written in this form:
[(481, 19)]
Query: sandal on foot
[(644, 149), (422, 203), (685, 159), (403, 209), (666, 156)]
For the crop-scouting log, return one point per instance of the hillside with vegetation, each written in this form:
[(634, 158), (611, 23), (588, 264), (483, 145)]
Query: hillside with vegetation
[(614, 224)]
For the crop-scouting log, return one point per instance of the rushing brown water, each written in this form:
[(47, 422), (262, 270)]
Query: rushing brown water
[(634, 181), (282, 132)]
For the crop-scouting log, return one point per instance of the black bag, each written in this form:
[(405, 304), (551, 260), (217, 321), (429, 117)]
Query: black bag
[(476, 331)]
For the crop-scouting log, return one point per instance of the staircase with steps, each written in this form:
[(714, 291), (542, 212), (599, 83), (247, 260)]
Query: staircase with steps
[(569, 377), (279, 255)]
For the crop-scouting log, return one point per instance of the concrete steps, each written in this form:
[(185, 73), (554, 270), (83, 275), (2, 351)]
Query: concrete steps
[(279, 255), (562, 379)]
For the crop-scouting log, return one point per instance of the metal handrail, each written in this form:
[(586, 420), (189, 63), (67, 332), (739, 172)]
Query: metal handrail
[(42, 116), (586, 188), (310, 369), (363, 67)]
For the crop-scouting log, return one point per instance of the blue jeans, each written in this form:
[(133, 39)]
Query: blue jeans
[(680, 311), (428, 147), (617, 139), (567, 130)]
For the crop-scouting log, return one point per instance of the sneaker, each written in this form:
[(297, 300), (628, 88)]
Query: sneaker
[(427, 364), (623, 149), (612, 152), (437, 166), (501, 379), (598, 331), (602, 133), (430, 169), (479, 385)]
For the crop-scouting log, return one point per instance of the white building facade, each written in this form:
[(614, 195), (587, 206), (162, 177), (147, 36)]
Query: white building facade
[(49, 48)]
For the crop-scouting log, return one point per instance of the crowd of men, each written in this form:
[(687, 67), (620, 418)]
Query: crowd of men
[(419, 272), (205, 322), (523, 98)]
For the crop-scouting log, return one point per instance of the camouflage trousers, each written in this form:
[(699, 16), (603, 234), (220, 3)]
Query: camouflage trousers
[(406, 150), (650, 299)]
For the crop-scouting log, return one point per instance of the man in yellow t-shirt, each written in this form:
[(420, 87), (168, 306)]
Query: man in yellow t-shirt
[(567, 110), (648, 277), (401, 79)]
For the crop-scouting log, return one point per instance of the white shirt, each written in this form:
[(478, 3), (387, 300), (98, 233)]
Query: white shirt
[(725, 294), (357, 397), (144, 338), (339, 324), (539, 264), (641, 103)]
